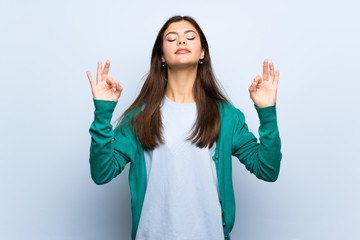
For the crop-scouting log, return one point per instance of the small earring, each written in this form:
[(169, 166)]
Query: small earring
[(163, 64), (201, 61)]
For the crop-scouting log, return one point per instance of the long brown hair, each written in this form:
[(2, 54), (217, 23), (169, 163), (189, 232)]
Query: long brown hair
[(147, 124)]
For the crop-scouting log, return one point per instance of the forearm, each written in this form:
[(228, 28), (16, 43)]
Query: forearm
[(103, 164), (269, 152), (262, 159)]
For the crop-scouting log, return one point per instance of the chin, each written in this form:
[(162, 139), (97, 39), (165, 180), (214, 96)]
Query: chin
[(183, 64)]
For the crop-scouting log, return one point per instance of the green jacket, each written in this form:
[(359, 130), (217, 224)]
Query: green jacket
[(111, 150)]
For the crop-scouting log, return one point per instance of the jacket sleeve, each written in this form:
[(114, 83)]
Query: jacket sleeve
[(110, 149), (262, 159)]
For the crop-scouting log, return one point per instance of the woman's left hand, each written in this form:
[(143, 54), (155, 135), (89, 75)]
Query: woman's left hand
[(263, 93)]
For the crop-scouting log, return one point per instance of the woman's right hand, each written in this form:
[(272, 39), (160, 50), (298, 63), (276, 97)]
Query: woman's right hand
[(104, 87)]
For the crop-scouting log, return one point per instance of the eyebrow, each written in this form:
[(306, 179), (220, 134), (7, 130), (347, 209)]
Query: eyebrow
[(184, 32)]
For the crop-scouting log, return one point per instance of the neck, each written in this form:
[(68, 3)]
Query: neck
[(180, 84)]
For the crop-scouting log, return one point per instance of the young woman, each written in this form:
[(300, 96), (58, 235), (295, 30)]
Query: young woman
[(179, 137)]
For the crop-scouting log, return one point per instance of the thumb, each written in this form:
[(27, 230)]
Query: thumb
[(111, 82), (118, 90), (255, 83), (118, 87)]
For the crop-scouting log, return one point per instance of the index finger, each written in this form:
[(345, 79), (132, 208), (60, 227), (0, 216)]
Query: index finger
[(106, 70), (265, 71)]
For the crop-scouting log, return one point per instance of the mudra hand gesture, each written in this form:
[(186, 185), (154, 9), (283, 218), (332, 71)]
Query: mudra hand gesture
[(263, 93), (105, 87)]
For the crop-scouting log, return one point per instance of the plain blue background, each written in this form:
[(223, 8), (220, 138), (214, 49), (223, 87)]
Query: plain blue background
[(46, 47)]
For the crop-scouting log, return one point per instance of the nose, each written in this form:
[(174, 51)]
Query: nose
[(181, 41)]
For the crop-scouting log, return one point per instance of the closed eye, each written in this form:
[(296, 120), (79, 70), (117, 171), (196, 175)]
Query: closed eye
[(171, 40)]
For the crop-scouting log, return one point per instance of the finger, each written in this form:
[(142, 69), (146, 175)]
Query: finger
[(252, 87), (271, 72), (111, 82), (277, 74), (119, 87), (98, 76), (106, 69), (255, 83), (91, 80), (265, 71), (118, 90)]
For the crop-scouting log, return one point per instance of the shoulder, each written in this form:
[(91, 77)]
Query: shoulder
[(229, 112), (126, 122)]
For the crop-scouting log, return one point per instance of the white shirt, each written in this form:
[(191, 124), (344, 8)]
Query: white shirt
[(182, 199)]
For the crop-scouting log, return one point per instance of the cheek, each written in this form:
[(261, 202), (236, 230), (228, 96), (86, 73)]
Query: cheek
[(197, 47), (167, 49)]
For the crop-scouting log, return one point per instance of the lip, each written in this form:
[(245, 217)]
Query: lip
[(182, 51)]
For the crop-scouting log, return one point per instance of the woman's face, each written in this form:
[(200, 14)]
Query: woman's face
[(181, 35)]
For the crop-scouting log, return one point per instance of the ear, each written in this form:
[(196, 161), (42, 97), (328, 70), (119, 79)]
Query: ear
[(162, 59), (202, 55)]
